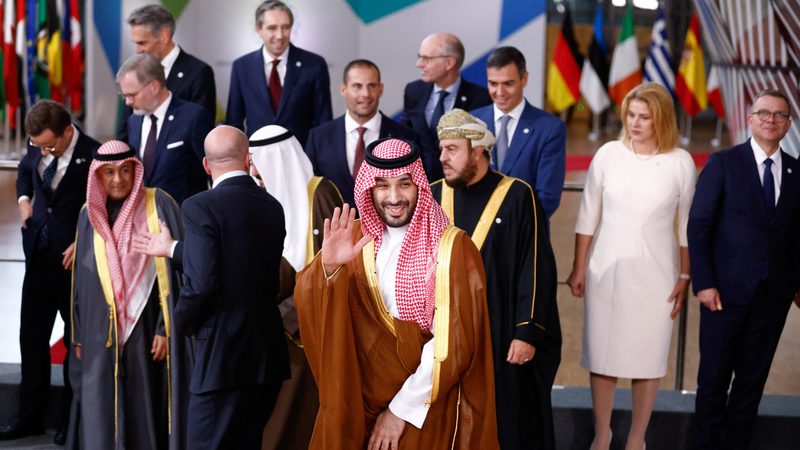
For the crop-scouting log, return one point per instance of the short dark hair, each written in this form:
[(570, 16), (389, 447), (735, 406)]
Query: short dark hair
[(503, 56), (359, 63), (270, 5), (154, 17), (145, 66), (47, 115), (774, 93)]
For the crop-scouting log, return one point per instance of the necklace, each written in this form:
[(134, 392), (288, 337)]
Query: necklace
[(644, 157)]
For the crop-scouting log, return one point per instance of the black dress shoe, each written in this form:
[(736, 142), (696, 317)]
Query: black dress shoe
[(15, 430), (61, 436)]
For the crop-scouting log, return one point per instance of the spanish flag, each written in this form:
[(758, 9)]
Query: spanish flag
[(690, 87), (564, 73)]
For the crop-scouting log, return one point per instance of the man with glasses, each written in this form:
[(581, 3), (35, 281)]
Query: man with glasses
[(441, 89), (745, 258), (51, 188), (166, 132)]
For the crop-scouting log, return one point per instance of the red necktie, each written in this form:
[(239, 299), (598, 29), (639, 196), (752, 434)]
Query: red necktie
[(359, 151), (274, 86)]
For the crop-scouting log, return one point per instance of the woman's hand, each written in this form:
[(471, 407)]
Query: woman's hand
[(577, 282), (678, 296)]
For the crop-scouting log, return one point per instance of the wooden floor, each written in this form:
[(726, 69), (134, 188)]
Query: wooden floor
[(784, 378)]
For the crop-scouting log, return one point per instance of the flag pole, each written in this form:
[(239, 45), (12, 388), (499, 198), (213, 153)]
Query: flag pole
[(7, 134), (718, 136), (687, 137), (595, 133)]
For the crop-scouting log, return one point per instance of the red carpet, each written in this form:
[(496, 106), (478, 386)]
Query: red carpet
[(58, 352), (581, 162)]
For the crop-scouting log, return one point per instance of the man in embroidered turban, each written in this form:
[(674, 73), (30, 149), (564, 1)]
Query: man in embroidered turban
[(130, 372), (281, 165), (393, 318), (506, 222)]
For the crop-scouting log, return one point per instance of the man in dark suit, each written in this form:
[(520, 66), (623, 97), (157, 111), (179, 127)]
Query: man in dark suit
[(336, 149), (188, 78), (744, 248), (51, 188), (531, 144), (231, 260), (441, 89), (279, 84), (169, 140)]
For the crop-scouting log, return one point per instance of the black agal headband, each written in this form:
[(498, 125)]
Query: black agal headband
[(115, 156), (271, 140), (392, 163)]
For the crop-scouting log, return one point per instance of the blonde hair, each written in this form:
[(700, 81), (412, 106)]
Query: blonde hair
[(662, 110)]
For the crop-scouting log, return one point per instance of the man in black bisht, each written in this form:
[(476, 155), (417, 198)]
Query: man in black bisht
[(506, 221)]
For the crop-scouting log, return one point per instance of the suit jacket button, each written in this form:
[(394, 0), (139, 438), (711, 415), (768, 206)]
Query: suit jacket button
[(49, 210)]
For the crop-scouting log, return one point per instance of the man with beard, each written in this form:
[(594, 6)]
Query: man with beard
[(393, 317), (506, 221), (169, 140), (336, 148), (127, 355)]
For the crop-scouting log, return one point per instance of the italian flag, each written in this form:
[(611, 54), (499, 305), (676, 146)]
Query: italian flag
[(626, 71)]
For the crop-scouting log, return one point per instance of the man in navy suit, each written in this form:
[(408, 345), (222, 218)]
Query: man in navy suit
[(744, 248), (336, 149), (51, 188), (530, 142), (441, 89), (166, 132), (279, 84), (188, 78), (231, 259)]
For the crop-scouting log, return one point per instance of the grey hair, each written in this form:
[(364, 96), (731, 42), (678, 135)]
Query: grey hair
[(271, 5), (146, 68), (154, 17)]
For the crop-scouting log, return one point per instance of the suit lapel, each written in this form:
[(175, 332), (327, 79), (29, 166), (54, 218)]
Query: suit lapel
[(461, 96), (293, 68), (520, 139), (340, 151), (260, 81), (176, 73), (788, 184), (753, 184), (163, 134), (135, 135)]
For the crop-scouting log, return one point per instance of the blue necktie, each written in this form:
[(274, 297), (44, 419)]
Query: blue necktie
[(769, 187), (438, 111), (48, 175), (501, 144)]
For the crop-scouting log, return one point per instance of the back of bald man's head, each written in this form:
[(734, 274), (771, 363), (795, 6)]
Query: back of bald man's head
[(226, 144)]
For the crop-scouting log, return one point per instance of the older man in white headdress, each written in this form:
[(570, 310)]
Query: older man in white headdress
[(281, 166)]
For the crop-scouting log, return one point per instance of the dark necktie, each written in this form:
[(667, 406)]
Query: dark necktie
[(274, 86), (48, 175), (502, 142), (149, 156), (438, 111), (769, 186), (359, 151)]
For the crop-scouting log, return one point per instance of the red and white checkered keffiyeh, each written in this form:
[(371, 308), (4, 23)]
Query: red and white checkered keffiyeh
[(415, 281), (126, 266)]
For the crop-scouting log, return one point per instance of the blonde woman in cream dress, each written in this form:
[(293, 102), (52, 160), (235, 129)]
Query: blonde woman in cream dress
[(629, 262)]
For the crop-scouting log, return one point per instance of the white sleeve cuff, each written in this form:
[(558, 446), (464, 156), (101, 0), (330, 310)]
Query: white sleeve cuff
[(172, 249), (21, 198), (409, 403)]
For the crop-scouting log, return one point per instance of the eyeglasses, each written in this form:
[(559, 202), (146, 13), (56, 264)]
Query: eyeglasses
[(427, 59), (47, 148), (777, 116), (133, 95)]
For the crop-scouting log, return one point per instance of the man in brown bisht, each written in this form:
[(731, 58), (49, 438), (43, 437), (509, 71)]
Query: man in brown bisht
[(393, 317)]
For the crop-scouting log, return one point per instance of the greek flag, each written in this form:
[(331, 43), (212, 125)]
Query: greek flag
[(658, 67)]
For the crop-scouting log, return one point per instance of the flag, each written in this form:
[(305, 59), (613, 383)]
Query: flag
[(30, 50), (10, 60), (47, 76), (715, 93), (73, 59), (594, 77), (658, 66), (626, 71), (564, 72), (690, 87), (2, 64)]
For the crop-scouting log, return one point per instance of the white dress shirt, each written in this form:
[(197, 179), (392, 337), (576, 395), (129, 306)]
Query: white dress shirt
[(777, 166), (281, 65), (226, 175), (373, 127), (169, 60), (409, 402), (515, 114), (449, 101), (161, 114)]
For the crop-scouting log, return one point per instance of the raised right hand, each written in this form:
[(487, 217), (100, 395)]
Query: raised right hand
[(25, 211), (337, 243)]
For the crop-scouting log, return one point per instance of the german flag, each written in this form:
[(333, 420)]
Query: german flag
[(564, 72)]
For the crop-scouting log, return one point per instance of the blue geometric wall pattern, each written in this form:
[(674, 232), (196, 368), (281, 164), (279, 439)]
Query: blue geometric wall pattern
[(372, 10), (517, 13)]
